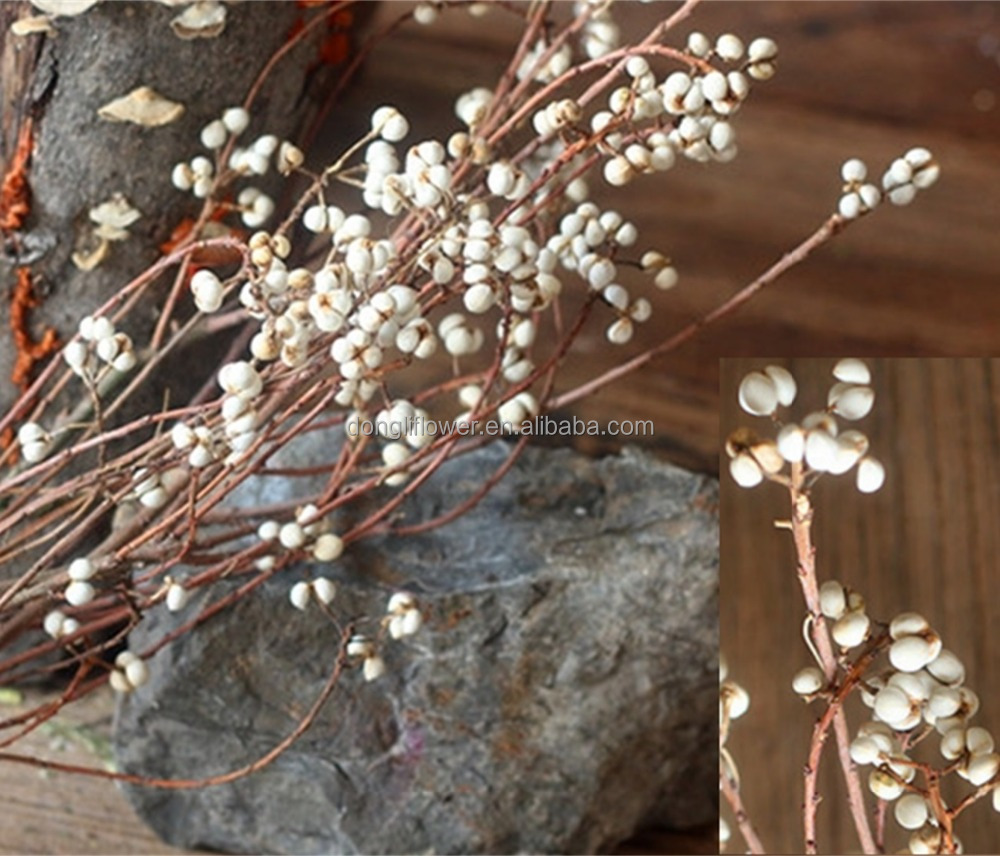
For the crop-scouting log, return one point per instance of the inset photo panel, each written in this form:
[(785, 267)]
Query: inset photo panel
[(860, 553)]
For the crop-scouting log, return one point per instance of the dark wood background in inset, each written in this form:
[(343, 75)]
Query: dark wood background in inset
[(928, 542)]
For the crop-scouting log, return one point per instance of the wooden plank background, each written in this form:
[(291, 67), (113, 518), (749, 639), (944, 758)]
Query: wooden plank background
[(856, 79), (927, 542)]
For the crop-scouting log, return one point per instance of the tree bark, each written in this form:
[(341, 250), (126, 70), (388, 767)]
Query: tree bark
[(51, 89)]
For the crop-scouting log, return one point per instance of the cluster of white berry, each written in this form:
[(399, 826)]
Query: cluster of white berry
[(816, 443), (403, 618), (321, 588), (35, 442), (309, 531), (700, 103), (916, 170), (99, 342), (78, 592), (199, 174), (924, 685), (149, 489), (130, 672)]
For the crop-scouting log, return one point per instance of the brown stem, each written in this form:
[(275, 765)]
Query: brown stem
[(834, 224), (223, 778), (802, 515), (731, 791)]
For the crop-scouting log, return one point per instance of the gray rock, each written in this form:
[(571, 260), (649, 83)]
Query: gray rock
[(561, 694)]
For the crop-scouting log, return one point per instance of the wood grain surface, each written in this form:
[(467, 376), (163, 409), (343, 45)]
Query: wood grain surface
[(927, 542), (855, 79)]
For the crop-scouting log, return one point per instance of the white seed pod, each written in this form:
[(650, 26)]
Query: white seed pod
[(299, 595), (291, 536), (853, 171), (36, 451), (979, 741), (155, 498), (884, 786), (54, 623), (943, 702), (177, 597), (666, 278), (820, 420), (620, 331), (758, 394), (808, 681), (374, 668), (953, 744), (729, 47), (784, 384), (947, 669), (315, 219), (735, 699), (980, 769), (479, 298), (290, 158), (854, 371), (125, 361), (851, 629), (967, 708), (235, 120), (182, 436), (31, 432), (618, 171), (81, 569), (214, 134), (871, 475), (892, 705), (324, 589), (240, 378), (821, 451), (911, 653), (359, 646), (136, 672), (269, 530), (911, 811), (206, 288), (866, 749), (746, 472), (996, 798), (762, 49), (698, 45), (601, 274), (328, 547), (927, 840), (917, 687), (791, 442), (767, 457), (851, 447), (851, 401), (76, 355), (400, 602), (850, 206), (832, 599), (908, 624), (79, 593), (182, 177), (119, 683), (390, 124)]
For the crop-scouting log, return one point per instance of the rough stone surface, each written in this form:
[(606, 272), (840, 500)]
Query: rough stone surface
[(561, 694)]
